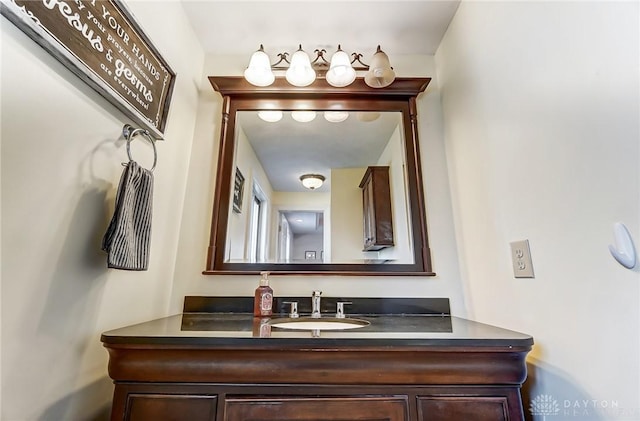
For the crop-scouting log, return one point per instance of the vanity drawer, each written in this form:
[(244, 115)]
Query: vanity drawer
[(503, 406), (170, 407), (299, 408)]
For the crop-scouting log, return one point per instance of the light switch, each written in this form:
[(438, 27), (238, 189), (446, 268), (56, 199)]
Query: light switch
[(521, 259)]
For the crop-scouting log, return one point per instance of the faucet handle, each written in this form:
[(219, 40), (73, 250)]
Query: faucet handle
[(315, 304), (293, 310), (340, 309)]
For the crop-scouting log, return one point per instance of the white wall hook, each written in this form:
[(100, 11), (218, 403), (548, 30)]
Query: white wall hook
[(624, 251)]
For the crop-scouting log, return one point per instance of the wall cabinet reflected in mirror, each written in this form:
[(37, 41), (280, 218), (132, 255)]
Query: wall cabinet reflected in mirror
[(304, 154), (377, 204)]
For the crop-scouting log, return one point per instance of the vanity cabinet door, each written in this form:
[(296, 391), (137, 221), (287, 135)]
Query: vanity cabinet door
[(456, 408), (169, 407), (376, 202), (380, 408)]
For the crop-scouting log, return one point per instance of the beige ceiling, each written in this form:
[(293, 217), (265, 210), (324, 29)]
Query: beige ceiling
[(400, 27), (288, 149)]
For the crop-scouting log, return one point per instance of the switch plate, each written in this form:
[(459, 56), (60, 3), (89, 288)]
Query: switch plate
[(521, 259)]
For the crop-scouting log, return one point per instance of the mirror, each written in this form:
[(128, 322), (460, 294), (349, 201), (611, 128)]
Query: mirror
[(364, 215), (286, 222)]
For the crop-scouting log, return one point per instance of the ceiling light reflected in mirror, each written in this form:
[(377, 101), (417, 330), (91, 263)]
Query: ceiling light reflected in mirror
[(336, 116), (273, 116), (367, 116), (270, 116), (303, 116), (312, 181)]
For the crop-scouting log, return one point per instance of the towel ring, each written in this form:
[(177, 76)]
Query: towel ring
[(129, 132)]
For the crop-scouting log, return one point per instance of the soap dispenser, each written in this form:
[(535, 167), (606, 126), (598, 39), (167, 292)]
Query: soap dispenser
[(263, 301)]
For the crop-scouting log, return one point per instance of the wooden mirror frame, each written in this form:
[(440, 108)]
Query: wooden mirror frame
[(239, 95)]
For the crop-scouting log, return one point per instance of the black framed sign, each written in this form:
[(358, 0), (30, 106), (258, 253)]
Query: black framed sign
[(101, 43), (238, 191)]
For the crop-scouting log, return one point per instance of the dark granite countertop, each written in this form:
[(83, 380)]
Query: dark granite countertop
[(238, 331), (228, 322)]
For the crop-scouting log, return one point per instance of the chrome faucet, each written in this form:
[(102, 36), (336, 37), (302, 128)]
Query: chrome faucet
[(315, 304)]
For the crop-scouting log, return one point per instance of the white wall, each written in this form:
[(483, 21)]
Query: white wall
[(238, 234), (194, 235), (541, 106), (394, 156), (307, 242), (347, 230), (61, 156)]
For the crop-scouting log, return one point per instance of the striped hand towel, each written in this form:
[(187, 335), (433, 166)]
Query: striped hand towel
[(129, 233)]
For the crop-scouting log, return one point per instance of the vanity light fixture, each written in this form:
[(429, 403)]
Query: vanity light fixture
[(312, 181), (303, 116), (336, 116), (380, 74), (301, 71), (270, 116), (259, 71), (340, 73)]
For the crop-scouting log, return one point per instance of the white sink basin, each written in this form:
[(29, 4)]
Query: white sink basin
[(325, 323)]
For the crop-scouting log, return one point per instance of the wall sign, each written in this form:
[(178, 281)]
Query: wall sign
[(100, 42), (238, 191)]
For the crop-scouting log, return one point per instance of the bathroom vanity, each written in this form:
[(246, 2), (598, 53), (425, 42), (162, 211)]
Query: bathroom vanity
[(413, 361), (405, 359)]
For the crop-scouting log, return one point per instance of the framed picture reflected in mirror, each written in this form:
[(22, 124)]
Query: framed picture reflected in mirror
[(238, 190)]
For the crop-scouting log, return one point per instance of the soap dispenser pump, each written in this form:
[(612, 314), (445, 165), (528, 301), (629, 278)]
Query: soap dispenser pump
[(263, 301)]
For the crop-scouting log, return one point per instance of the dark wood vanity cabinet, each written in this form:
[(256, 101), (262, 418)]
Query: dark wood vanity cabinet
[(203, 383), (376, 201), (150, 402), (210, 402), (413, 362)]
